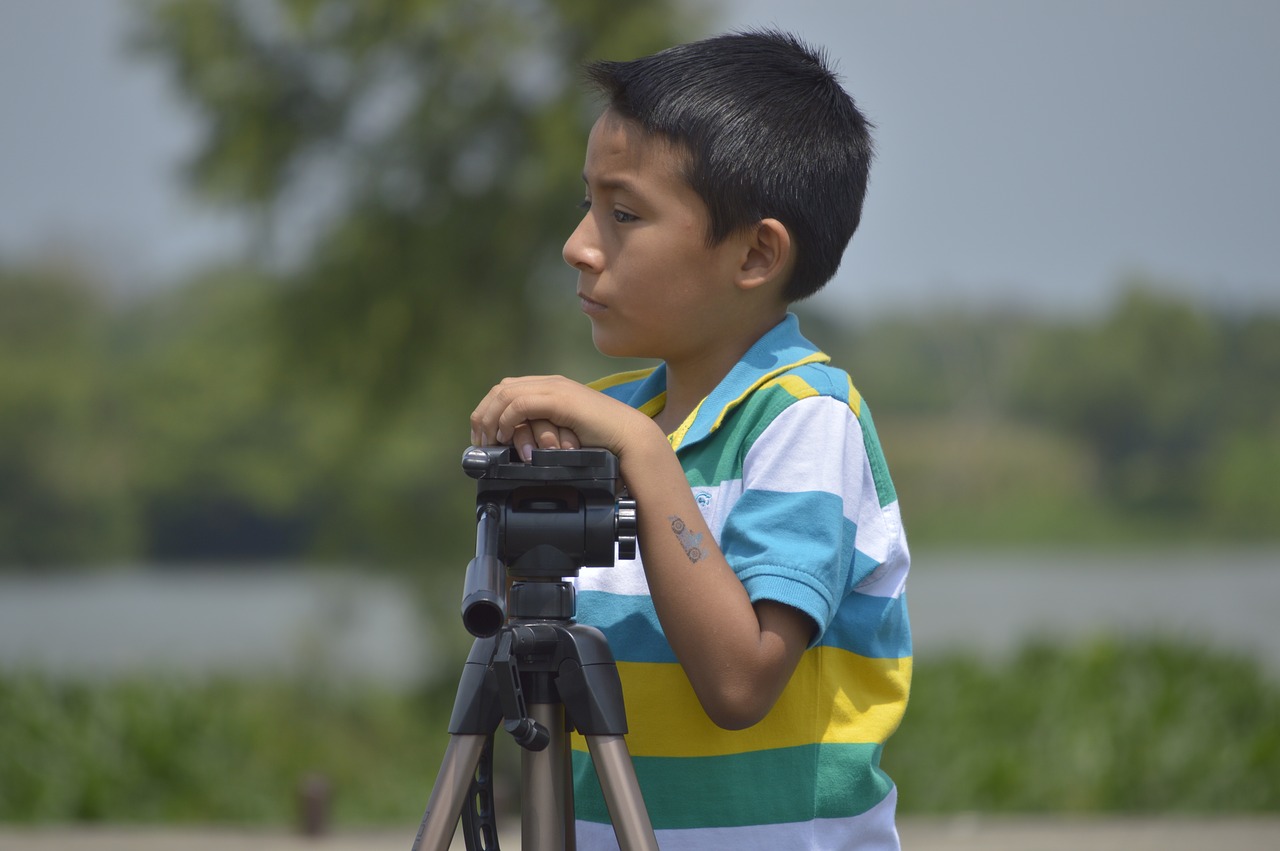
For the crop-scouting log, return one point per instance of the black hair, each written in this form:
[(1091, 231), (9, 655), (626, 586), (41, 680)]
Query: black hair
[(769, 133)]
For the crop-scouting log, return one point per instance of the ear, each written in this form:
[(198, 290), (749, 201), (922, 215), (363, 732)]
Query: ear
[(768, 257)]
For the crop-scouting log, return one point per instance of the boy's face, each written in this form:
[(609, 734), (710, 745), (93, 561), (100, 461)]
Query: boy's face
[(648, 281)]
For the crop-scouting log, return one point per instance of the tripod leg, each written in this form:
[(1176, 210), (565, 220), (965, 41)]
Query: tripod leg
[(622, 795), (545, 811), (447, 796)]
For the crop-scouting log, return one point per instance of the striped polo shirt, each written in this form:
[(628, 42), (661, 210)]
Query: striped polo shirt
[(786, 467)]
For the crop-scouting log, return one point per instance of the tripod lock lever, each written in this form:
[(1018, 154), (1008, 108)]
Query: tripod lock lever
[(528, 733)]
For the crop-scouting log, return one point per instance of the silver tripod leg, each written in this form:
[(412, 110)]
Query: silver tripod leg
[(457, 770), (617, 775), (546, 822), (546, 806)]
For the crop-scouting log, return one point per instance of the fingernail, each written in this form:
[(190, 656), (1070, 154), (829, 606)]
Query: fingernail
[(526, 451)]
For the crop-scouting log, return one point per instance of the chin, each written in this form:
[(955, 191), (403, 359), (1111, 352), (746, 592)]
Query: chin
[(611, 346)]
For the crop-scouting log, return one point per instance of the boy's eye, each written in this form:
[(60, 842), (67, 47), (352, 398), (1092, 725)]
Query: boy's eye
[(620, 216)]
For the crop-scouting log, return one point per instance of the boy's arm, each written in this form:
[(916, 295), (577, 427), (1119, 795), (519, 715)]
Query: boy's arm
[(738, 656)]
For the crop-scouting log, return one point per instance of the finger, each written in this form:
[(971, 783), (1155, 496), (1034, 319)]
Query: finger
[(507, 407), (569, 439), (481, 427), (521, 409), (482, 431), (485, 419), (522, 439), (546, 434), (538, 401)]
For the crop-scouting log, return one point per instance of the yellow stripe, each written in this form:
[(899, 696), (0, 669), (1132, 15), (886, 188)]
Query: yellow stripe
[(619, 378), (855, 398), (677, 437), (666, 719), (795, 385), (649, 408), (801, 389), (816, 357)]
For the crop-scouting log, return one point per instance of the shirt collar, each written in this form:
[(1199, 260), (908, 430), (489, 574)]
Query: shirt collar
[(782, 348)]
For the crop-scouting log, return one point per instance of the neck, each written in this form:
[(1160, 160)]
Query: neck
[(691, 380)]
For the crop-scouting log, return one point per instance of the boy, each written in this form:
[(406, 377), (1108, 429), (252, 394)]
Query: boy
[(762, 636)]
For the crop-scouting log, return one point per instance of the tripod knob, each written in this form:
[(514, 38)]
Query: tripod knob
[(627, 528), (529, 734)]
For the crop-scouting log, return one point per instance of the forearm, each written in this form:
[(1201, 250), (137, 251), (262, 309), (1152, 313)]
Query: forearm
[(736, 665)]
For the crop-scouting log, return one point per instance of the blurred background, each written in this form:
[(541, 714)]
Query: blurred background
[(258, 260)]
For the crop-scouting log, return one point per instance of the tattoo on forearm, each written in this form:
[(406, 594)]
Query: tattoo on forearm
[(691, 541)]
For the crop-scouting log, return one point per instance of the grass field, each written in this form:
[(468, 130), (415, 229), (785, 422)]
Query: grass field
[(1089, 729)]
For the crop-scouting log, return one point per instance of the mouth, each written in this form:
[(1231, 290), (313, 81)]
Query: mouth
[(590, 307)]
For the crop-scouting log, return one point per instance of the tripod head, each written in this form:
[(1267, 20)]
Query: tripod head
[(541, 521)]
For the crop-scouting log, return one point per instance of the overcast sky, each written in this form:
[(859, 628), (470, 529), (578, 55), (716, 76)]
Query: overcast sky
[(1029, 152)]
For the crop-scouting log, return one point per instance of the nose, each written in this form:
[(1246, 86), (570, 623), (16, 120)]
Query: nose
[(582, 248)]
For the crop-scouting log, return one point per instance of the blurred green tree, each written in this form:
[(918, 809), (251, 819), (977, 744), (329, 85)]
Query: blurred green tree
[(60, 458), (1140, 389), (1171, 399), (411, 167)]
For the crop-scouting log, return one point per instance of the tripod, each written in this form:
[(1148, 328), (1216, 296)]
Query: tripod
[(537, 672)]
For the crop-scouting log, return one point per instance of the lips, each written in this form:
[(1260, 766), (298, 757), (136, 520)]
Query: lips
[(590, 307)]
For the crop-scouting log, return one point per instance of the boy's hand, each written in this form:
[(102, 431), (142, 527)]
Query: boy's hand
[(551, 412)]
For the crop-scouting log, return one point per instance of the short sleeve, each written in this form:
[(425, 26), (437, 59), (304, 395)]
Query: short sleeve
[(804, 530)]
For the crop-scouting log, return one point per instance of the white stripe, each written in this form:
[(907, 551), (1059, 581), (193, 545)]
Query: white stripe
[(816, 444), (716, 501), (625, 577), (890, 578), (873, 830)]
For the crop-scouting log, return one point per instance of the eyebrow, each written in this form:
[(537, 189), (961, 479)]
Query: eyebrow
[(614, 183)]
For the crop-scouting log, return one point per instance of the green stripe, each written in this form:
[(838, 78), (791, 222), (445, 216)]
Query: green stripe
[(875, 456), (709, 462), (764, 787)]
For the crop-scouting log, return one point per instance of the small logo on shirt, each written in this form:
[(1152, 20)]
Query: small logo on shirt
[(703, 498)]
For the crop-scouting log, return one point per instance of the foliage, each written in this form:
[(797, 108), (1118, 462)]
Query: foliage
[(59, 467), (1163, 394), (1112, 726), (1127, 727), (427, 151), (221, 751), (410, 168)]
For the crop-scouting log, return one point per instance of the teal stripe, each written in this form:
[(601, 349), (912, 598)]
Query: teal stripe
[(764, 787), (800, 536), (875, 627), (629, 623), (809, 526), (641, 389)]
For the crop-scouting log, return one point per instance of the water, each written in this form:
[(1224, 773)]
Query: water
[(256, 622), (360, 627), (993, 603)]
